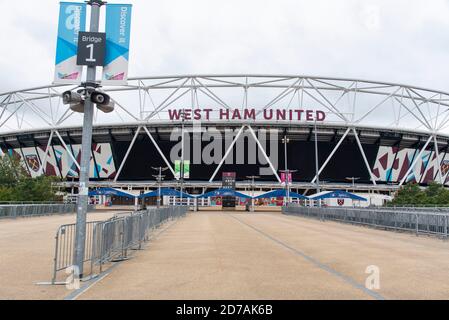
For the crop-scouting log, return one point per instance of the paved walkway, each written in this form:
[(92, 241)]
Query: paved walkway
[(216, 255), (26, 255)]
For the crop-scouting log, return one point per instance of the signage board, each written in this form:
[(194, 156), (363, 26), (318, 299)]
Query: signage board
[(72, 20), (91, 49), (118, 33)]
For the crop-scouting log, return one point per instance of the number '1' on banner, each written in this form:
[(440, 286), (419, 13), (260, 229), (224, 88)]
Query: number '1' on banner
[(118, 31)]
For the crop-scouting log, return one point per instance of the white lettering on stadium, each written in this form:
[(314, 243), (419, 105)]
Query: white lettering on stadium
[(248, 114)]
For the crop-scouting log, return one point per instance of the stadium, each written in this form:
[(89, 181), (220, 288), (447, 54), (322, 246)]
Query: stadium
[(369, 136)]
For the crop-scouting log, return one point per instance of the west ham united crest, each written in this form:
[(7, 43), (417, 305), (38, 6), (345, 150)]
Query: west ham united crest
[(341, 202), (444, 167), (33, 162)]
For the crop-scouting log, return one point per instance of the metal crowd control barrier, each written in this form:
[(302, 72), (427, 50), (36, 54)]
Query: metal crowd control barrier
[(110, 240), (419, 209), (413, 221), (28, 210), (65, 242)]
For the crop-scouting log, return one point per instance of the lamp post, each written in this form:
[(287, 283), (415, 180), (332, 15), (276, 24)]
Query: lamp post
[(86, 146), (318, 189), (159, 178), (353, 179), (286, 140), (182, 153), (287, 174), (252, 190)]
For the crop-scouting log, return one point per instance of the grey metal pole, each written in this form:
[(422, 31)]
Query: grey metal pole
[(159, 188), (83, 198), (253, 184), (316, 165), (287, 191), (182, 154), (252, 194)]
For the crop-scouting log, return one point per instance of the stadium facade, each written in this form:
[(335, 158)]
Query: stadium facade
[(375, 135)]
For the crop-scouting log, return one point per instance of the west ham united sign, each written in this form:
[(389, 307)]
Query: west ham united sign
[(248, 114)]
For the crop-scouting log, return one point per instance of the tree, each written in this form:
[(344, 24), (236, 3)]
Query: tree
[(408, 194), (411, 194), (17, 185), (11, 170)]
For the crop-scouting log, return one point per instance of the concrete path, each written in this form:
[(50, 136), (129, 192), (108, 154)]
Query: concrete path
[(26, 255), (216, 255)]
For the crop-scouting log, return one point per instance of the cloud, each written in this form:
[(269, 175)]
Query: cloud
[(402, 41)]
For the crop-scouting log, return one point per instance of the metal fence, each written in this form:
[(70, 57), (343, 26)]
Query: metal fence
[(435, 209), (111, 240), (14, 210), (65, 242), (417, 222)]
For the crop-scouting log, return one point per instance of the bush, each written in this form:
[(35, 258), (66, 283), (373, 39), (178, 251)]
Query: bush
[(17, 185), (411, 194)]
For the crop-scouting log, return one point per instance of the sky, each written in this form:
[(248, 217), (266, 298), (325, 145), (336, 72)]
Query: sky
[(404, 41)]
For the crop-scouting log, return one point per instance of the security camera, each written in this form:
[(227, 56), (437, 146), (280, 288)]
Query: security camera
[(106, 108), (70, 97), (77, 107), (100, 98)]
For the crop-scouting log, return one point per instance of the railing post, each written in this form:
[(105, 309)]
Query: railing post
[(55, 259), (417, 223), (445, 226)]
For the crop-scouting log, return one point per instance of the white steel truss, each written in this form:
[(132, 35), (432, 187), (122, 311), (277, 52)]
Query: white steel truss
[(352, 104)]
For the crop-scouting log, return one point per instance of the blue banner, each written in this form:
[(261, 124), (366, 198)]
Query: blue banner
[(118, 31), (72, 20)]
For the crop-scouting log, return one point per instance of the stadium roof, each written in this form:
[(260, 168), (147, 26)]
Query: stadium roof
[(338, 194), (166, 192), (110, 192), (224, 193), (280, 193)]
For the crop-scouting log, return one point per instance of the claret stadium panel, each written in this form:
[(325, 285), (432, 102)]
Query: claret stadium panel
[(383, 134)]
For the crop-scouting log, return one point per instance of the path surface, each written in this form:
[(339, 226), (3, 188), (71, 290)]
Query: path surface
[(26, 255), (217, 255)]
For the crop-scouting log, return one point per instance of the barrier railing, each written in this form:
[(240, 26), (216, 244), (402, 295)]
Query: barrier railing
[(27, 210), (435, 209), (417, 222), (65, 242), (110, 240)]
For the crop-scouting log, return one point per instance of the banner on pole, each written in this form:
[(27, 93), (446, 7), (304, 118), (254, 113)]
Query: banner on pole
[(186, 169), (177, 169), (118, 31), (286, 178), (72, 20)]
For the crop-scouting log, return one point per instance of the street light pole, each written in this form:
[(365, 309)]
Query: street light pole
[(353, 179), (86, 146), (252, 190), (318, 190), (159, 183), (285, 140), (182, 153)]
